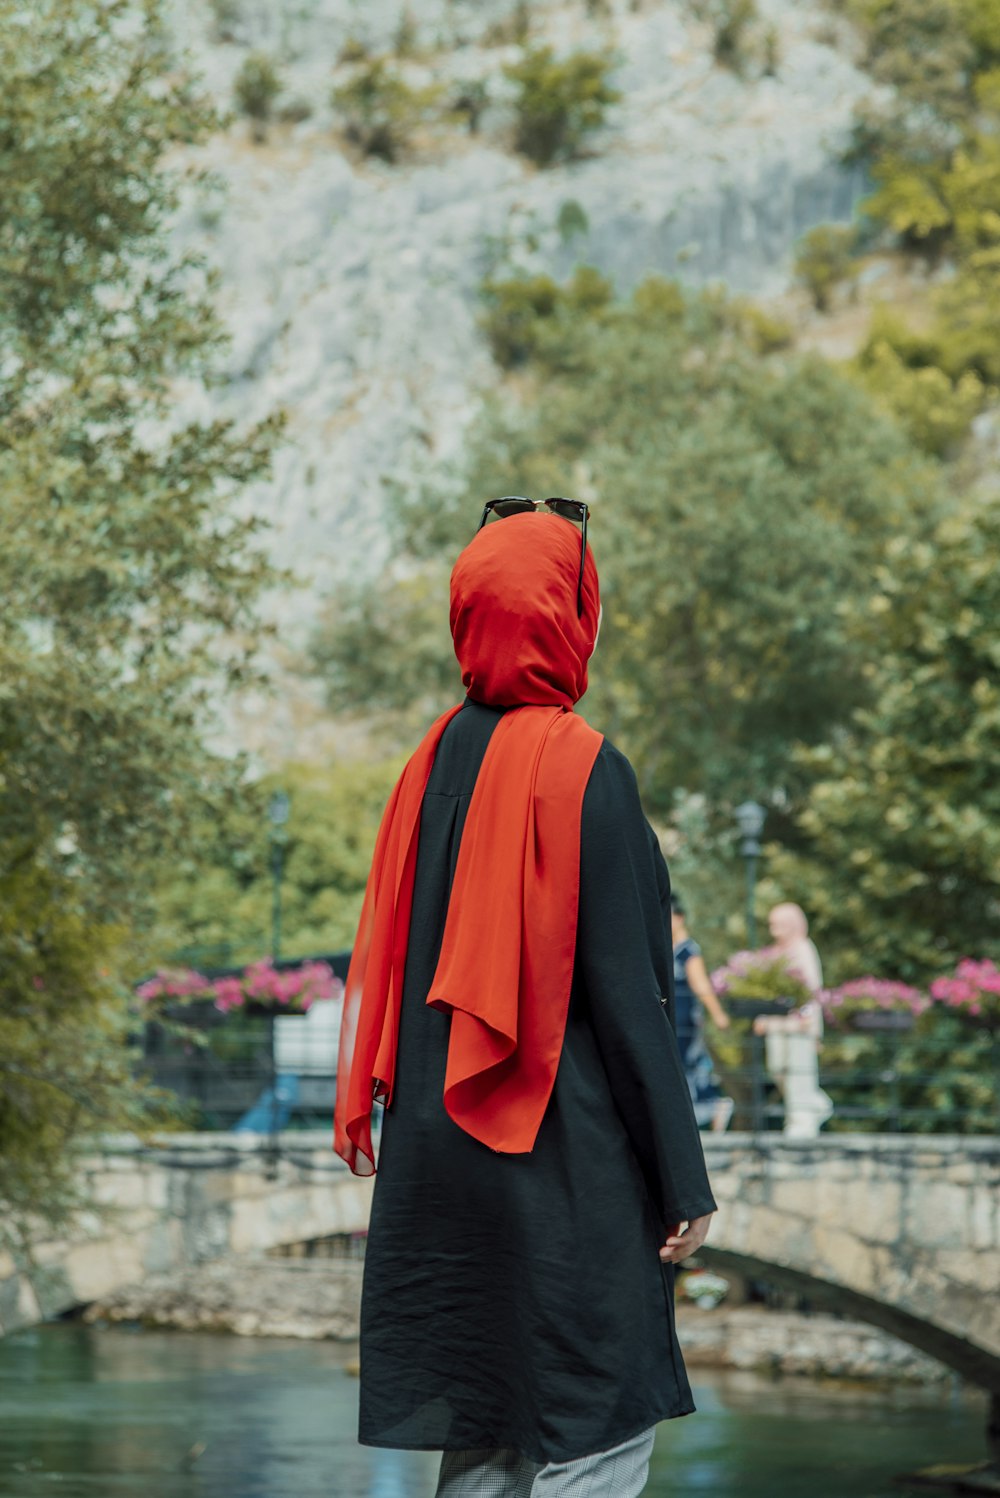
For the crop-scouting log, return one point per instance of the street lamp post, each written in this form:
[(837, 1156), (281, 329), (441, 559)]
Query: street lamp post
[(750, 821), (278, 809)]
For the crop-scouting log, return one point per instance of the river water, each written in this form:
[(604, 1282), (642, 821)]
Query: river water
[(111, 1412)]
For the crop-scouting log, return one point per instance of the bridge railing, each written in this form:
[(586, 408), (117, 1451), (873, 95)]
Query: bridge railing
[(884, 1082), (880, 1081)]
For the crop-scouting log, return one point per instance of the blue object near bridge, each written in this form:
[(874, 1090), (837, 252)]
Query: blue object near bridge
[(273, 1108)]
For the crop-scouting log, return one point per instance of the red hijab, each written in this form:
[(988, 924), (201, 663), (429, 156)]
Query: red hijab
[(506, 963)]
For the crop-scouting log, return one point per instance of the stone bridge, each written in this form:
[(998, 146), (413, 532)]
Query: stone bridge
[(900, 1231)]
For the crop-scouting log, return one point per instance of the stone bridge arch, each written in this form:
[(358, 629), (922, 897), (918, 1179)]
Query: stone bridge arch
[(899, 1231), (182, 1199)]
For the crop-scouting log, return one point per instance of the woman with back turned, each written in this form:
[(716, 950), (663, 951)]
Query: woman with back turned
[(693, 992), (510, 1000)]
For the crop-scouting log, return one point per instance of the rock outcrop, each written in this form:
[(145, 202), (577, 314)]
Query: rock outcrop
[(351, 287)]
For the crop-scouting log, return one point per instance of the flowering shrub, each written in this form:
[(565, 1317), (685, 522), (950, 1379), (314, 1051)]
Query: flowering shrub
[(871, 996), (763, 976), (298, 988), (760, 975), (974, 991), (174, 983)]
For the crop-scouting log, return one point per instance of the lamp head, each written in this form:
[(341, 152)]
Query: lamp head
[(278, 809), (750, 819)]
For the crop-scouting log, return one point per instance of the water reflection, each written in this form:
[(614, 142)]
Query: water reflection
[(109, 1413)]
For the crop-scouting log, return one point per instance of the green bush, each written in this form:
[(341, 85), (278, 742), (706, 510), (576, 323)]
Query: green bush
[(354, 50), (469, 103), (935, 160), (226, 17), (571, 219), (911, 201), (514, 309), (381, 110), (770, 51), (657, 298), (294, 111), (256, 88), (559, 102), (824, 261), (513, 30), (939, 1076), (922, 50), (525, 314), (936, 410), (733, 22), (740, 41), (764, 332), (406, 37)]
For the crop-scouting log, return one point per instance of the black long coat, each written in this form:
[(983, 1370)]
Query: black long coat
[(518, 1300)]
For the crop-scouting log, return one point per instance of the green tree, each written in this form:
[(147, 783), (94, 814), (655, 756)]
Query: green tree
[(213, 900), (256, 88), (733, 23), (900, 868), (559, 102), (824, 261), (381, 110), (739, 504), (936, 164), (127, 584)]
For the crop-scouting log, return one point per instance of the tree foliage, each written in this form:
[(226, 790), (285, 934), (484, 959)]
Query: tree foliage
[(214, 900), (256, 88), (901, 862), (559, 102), (740, 504), (127, 584), (935, 159), (824, 261), (381, 110)]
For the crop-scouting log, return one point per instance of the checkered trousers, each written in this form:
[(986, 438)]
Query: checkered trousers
[(618, 1473)]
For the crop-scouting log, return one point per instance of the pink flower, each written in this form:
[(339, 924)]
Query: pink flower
[(259, 979), (175, 983), (228, 994), (974, 989), (873, 994)]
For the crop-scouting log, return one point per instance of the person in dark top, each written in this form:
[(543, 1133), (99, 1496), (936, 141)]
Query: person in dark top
[(693, 992), (510, 999)]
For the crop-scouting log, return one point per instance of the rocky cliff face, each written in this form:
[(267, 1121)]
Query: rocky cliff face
[(351, 286)]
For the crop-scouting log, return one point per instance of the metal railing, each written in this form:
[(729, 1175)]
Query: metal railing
[(892, 1081)]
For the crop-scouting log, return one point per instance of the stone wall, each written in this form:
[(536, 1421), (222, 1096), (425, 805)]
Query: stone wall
[(902, 1232), (191, 1199), (253, 1297), (320, 1298)]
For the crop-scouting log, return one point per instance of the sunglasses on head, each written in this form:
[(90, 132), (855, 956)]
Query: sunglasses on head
[(569, 509)]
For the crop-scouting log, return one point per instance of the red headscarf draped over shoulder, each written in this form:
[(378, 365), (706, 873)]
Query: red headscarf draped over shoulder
[(506, 962)]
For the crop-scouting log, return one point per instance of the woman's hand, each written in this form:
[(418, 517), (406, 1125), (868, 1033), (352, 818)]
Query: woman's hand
[(683, 1241)]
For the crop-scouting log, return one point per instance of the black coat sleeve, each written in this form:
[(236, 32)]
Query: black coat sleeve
[(625, 958)]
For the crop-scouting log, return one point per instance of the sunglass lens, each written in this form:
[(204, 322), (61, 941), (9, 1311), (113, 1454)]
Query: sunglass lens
[(511, 506), (569, 509)]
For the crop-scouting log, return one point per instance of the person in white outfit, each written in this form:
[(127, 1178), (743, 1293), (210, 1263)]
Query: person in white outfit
[(793, 1040)]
